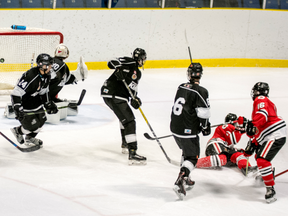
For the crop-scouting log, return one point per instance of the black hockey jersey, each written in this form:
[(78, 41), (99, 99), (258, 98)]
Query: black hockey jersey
[(60, 76), (31, 90), (191, 110), (116, 88)]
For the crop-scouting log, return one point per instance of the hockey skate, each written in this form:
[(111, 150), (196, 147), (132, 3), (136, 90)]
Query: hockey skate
[(18, 136), (124, 147), (250, 171), (135, 159), (270, 195), (32, 141), (189, 183), (179, 188)]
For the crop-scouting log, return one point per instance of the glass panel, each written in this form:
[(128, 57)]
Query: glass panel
[(187, 3), (228, 3)]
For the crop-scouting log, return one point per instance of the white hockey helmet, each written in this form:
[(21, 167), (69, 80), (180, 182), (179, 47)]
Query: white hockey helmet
[(62, 51)]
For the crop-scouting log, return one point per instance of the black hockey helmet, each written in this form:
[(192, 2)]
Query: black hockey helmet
[(230, 118), (140, 56), (44, 59), (260, 88), (194, 71)]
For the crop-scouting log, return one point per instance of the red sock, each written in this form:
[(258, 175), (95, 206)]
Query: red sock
[(212, 161), (239, 159), (265, 168)]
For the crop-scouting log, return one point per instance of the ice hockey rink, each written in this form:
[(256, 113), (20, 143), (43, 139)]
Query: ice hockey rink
[(81, 171)]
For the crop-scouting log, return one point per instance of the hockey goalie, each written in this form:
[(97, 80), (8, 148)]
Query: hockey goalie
[(60, 76)]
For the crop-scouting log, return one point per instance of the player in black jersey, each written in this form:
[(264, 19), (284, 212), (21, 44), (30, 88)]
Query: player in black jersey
[(190, 116), (29, 96), (60, 73), (116, 96)]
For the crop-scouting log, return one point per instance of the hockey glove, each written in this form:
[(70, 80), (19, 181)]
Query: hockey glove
[(250, 148), (250, 129), (136, 103), (19, 112), (206, 130), (51, 107)]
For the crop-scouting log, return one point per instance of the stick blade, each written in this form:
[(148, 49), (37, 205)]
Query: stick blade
[(81, 97), (30, 149), (147, 136)]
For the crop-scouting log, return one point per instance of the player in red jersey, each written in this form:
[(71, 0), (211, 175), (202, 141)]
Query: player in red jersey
[(268, 135), (220, 149)]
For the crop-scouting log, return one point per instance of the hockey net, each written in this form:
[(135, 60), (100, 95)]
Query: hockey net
[(19, 50)]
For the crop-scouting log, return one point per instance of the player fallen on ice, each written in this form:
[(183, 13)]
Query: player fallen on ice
[(28, 97), (220, 149), (190, 116), (61, 75), (116, 96), (268, 134)]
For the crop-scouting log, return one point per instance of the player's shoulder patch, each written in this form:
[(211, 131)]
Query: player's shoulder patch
[(187, 85)]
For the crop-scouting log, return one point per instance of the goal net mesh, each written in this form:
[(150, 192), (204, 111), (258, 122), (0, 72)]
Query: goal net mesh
[(19, 50)]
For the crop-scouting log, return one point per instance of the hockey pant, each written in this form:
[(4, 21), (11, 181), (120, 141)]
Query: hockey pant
[(265, 155), (190, 153), (126, 118), (32, 124)]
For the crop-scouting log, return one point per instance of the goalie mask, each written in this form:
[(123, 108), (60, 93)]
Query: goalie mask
[(194, 71), (62, 51), (260, 88), (140, 56), (230, 118)]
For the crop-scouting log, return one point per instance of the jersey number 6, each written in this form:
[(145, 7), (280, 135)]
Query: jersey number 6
[(178, 106)]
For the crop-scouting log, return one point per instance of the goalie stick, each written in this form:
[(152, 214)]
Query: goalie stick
[(132, 96), (63, 107), (30, 149)]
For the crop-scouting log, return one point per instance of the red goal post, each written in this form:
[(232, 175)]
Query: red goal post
[(19, 49)]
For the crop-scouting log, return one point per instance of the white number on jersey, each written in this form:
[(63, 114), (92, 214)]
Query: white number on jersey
[(178, 106)]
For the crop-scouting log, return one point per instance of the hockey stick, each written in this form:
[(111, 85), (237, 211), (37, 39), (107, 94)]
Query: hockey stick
[(247, 164), (132, 96), (281, 173), (32, 60), (188, 47), (151, 138), (63, 107), (30, 149)]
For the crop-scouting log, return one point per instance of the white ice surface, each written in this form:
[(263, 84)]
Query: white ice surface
[(81, 171)]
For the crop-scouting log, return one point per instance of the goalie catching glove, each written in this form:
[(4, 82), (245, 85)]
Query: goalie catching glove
[(136, 103), (81, 72), (51, 107)]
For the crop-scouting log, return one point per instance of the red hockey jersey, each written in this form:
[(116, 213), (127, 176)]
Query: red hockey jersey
[(228, 134), (264, 117)]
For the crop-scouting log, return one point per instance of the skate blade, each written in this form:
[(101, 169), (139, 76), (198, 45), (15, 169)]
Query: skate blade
[(176, 190), (271, 200), (125, 151), (135, 162)]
